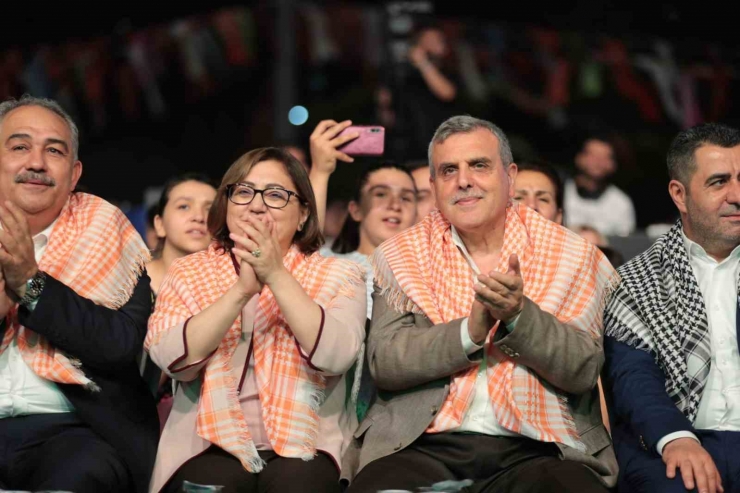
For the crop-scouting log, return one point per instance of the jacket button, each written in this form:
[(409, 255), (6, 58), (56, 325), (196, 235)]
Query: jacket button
[(434, 410)]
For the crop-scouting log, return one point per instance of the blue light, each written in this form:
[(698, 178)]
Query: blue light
[(298, 115)]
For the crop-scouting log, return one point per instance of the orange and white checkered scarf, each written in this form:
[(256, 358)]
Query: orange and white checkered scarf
[(422, 271), (290, 391), (96, 251)]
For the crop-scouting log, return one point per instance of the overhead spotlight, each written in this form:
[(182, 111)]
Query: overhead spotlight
[(298, 115)]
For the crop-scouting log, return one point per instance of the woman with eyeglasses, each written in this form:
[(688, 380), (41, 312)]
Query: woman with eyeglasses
[(259, 330)]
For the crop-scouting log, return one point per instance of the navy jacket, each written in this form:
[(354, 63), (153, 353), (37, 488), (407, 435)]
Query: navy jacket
[(640, 410), (107, 343)]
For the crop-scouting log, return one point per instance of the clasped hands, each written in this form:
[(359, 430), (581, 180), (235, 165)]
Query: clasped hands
[(497, 297), (260, 237)]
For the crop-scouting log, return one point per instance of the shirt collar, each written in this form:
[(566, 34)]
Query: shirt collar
[(459, 244), (42, 239), (696, 252)]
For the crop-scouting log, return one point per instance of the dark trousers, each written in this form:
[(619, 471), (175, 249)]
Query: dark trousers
[(495, 464), (280, 475), (644, 472), (58, 452)]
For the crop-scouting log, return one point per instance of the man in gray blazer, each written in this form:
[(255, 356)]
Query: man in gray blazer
[(486, 340)]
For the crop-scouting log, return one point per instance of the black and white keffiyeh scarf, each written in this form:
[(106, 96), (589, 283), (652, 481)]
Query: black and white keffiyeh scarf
[(659, 308)]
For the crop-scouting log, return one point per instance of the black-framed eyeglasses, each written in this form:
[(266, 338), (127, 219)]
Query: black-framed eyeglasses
[(273, 197)]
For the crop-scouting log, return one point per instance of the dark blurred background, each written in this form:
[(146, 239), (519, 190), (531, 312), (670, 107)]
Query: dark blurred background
[(162, 89)]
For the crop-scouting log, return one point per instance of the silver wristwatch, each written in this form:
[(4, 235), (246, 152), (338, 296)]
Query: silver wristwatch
[(34, 287)]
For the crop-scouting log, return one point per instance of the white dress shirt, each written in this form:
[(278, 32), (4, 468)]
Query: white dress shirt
[(611, 214), (719, 408), (479, 417), (23, 392)]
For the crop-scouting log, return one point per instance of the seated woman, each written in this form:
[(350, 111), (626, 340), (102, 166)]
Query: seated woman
[(180, 224), (259, 330)]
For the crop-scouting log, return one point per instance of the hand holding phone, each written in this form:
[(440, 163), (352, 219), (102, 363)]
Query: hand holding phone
[(371, 140)]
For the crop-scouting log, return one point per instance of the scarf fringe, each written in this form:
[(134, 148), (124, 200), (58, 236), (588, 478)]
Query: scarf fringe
[(132, 278), (570, 423)]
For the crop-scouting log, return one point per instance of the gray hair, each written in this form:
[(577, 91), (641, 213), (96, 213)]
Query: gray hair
[(464, 124), (49, 104)]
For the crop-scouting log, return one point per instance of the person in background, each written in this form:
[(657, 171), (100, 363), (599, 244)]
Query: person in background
[(591, 199), (384, 204), (539, 187), (150, 234), (672, 327), (180, 224), (424, 199), (429, 92), (485, 341), (75, 414), (259, 330)]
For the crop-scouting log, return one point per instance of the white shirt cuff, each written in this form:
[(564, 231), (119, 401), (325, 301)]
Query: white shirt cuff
[(467, 343), (673, 436)]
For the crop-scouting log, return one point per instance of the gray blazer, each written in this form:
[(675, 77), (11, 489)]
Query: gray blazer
[(411, 361)]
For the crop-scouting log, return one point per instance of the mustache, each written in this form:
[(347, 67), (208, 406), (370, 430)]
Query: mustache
[(466, 195), (27, 176)]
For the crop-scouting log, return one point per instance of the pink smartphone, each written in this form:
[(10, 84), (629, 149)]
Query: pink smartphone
[(371, 141)]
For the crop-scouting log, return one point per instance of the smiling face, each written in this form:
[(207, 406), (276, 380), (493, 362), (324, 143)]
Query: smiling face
[(387, 207), (183, 223), (471, 186), (537, 191), (269, 174), (38, 169), (710, 203)]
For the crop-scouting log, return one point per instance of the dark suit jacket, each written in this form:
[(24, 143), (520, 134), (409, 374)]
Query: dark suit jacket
[(641, 412), (107, 343), (411, 361)]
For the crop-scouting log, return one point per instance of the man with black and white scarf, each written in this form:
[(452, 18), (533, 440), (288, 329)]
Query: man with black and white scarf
[(672, 361)]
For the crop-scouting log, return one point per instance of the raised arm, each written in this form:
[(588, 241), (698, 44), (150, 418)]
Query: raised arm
[(324, 156)]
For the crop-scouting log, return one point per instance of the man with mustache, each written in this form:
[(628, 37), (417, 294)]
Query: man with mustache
[(74, 304), (672, 331), (485, 342)]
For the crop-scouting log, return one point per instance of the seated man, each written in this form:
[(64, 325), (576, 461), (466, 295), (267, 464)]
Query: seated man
[(671, 331), (485, 341), (74, 304)]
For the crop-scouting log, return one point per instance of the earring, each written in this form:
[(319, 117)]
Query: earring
[(300, 227)]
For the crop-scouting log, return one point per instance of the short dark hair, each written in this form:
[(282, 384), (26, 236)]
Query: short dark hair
[(309, 239), (681, 154), (348, 239), (415, 164), (547, 169)]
